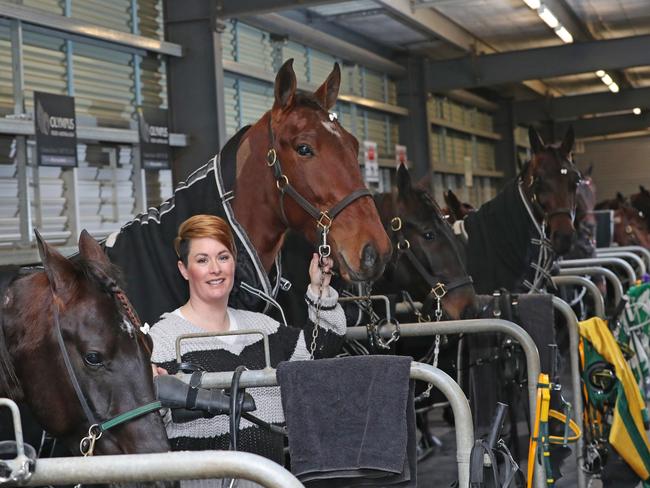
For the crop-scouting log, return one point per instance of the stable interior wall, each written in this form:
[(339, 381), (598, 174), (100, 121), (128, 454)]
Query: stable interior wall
[(619, 165)]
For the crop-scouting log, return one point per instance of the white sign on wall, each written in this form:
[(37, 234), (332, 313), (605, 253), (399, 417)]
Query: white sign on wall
[(370, 162), (400, 155)]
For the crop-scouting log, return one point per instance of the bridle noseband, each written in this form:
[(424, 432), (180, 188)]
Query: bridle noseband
[(324, 218), (439, 286)]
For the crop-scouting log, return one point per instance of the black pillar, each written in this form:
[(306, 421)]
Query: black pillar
[(413, 129), (506, 148), (195, 83)]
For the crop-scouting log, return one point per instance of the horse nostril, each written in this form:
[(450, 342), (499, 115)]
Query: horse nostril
[(369, 257)]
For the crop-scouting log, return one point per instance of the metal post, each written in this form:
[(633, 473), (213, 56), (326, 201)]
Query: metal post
[(168, 466), (574, 362), (630, 256), (18, 87), (139, 181), (462, 414), (642, 251), (471, 327), (599, 303), (70, 179), (595, 271), (621, 263)]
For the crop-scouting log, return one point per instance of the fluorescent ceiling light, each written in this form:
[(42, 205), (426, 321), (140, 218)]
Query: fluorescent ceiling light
[(607, 79), (547, 16), (613, 88), (600, 73), (564, 34), (636, 111), (534, 4)]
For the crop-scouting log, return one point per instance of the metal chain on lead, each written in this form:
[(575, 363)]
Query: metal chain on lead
[(323, 252), (436, 346)]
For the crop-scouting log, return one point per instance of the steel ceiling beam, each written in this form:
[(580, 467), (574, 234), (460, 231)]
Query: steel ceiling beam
[(434, 23), (579, 105), (237, 8), (539, 63), (599, 126), (305, 34)]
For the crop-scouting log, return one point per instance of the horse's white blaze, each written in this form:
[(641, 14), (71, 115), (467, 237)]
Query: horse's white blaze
[(331, 127)]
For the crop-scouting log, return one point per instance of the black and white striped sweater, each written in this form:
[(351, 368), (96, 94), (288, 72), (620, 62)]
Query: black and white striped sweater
[(216, 354)]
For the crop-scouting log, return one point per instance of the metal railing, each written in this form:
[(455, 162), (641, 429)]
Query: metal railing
[(599, 302), (470, 327), (633, 258), (462, 414), (640, 250), (609, 262), (574, 362), (128, 468), (609, 275)]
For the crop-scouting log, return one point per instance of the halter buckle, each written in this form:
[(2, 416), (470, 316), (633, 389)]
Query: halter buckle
[(395, 224), (402, 245), (439, 291), (324, 221), (271, 157), (282, 182)]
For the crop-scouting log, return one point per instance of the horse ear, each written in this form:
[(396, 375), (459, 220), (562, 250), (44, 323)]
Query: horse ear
[(643, 189), (588, 171), (404, 186), (285, 86), (59, 270), (453, 203), (568, 142), (90, 249), (620, 197), (328, 92), (536, 143)]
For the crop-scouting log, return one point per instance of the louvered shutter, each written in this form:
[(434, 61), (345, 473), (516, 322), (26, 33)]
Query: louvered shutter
[(104, 88), (255, 98), (374, 85), (52, 6), (150, 19), (300, 63), (113, 14), (231, 101), (6, 86), (44, 66), (321, 66)]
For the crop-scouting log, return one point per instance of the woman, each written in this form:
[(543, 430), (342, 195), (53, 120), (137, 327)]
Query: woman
[(206, 259)]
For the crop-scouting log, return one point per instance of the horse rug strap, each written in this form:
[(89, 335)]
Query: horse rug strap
[(627, 434)]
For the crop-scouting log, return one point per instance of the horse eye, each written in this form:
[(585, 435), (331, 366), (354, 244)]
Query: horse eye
[(429, 236), (93, 358), (304, 150)]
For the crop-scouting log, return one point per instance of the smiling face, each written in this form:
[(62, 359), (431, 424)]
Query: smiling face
[(210, 270)]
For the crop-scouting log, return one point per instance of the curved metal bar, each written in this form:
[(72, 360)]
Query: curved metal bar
[(596, 271), (599, 303), (462, 414), (169, 466), (574, 361), (642, 251), (621, 263), (641, 268), (471, 327)]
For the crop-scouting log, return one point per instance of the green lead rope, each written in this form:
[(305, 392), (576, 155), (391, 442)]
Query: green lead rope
[(130, 415)]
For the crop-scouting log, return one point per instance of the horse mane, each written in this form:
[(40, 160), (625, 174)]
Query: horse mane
[(9, 384), (427, 201), (105, 275)]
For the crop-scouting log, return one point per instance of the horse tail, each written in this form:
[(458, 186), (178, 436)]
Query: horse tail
[(9, 383)]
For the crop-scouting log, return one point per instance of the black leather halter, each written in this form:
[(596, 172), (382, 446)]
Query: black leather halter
[(323, 218), (439, 286), (96, 428)]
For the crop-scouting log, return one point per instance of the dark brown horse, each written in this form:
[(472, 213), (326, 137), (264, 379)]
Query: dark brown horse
[(455, 209), (76, 309), (320, 160), (641, 201), (630, 224), (426, 252), (508, 245)]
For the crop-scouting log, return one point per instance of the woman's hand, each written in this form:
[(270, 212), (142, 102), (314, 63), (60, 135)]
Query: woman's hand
[(315, 274), (158, 371)]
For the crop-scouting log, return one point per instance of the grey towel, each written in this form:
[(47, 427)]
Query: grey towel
[(351, 421)]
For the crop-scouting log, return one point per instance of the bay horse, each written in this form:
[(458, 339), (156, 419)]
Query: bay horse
[(630, 224), (455, 209), (641, 201), (296, 168), (68, 324)]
